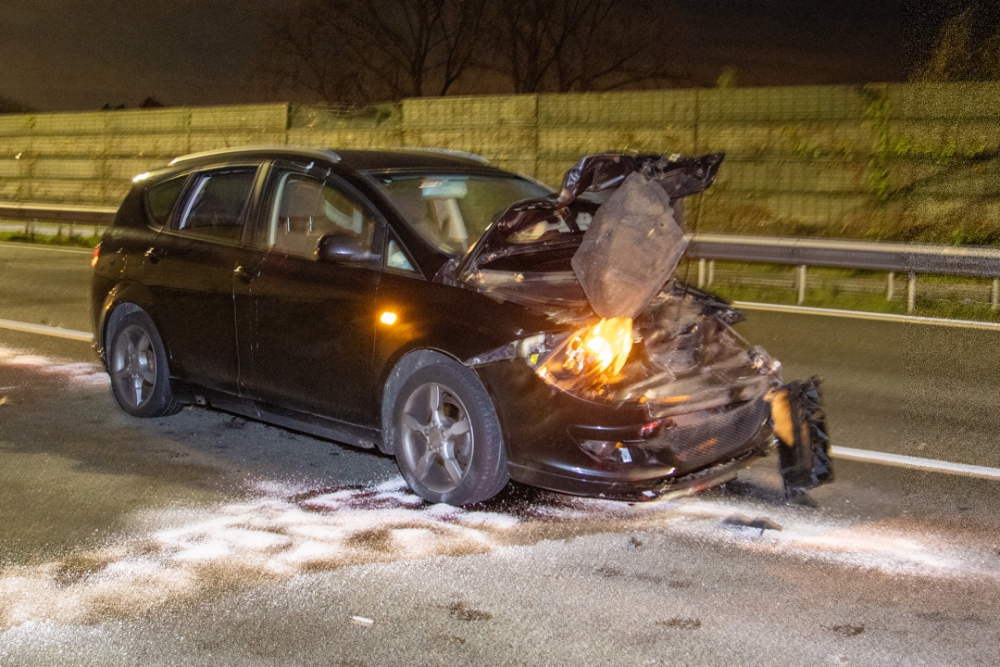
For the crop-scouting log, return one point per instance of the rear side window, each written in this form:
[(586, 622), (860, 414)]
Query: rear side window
[(216, 203), (160, 198)]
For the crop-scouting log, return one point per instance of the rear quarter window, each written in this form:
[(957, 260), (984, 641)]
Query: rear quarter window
[(161, 198), (216, 202)]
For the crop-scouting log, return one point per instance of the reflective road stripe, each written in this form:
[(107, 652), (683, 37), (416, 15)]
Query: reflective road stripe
[(56, 332), (914, 462), (839, 452), (862, 315)]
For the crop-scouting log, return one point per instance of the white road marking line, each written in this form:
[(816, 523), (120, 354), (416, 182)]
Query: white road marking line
[(862, 315), (56, 332), (914, 462), (839, 452), (39, 246)]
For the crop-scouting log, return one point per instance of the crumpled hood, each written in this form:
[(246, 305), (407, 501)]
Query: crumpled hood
[(556, 226)]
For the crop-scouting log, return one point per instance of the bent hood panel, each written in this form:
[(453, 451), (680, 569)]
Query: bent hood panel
[(537, 234)]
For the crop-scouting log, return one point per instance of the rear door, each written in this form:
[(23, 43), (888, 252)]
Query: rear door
[(311, 323), (189, 268)]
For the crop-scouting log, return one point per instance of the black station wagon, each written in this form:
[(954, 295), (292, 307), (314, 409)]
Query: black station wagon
[(448, 313)]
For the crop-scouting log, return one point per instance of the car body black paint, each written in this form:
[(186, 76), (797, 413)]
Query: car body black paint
[(298, 342)]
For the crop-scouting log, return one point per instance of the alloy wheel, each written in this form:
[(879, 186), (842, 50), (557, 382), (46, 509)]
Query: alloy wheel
[(437, 436), (133, 365)]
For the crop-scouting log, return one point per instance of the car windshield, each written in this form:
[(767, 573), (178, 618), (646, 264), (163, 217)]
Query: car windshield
[(452, 211)]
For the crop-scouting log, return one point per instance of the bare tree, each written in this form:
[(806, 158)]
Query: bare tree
[(951, 58), (350, 51), (958, 55), (565, 45)]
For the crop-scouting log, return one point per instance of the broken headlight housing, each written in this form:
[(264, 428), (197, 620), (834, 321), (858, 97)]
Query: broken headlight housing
[(590, 357)]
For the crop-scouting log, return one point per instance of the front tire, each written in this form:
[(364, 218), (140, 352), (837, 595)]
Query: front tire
[(447, 438), (137, 364)]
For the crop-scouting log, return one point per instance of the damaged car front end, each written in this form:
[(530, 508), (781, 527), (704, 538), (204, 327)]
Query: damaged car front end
[(647, 387), (470, 322)]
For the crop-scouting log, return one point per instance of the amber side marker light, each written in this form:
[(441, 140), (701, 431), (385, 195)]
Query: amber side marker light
[(388, 317), (95, 256)]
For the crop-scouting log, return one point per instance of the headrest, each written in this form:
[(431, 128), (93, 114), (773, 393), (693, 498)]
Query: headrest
[(302, 199)]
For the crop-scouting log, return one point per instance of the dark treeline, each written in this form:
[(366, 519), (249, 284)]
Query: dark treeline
[(360, 51), (967, 47)]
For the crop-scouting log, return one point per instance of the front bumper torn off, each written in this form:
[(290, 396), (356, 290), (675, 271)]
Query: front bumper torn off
[(803, 439)]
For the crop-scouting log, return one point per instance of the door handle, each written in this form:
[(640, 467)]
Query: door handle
[(155, 254), (244, 274)]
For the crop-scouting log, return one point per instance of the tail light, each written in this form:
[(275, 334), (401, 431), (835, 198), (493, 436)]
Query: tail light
[(95, 256)]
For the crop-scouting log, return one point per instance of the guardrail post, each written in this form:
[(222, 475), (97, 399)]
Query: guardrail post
[(701, 272), (996, 294), (911, 293), (891, 289), (801, 271), (711, 271)]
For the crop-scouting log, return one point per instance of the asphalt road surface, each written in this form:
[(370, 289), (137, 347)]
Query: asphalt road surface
[(205, 538)]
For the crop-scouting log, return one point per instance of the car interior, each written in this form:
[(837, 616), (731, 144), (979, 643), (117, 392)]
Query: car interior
[(308, 210)]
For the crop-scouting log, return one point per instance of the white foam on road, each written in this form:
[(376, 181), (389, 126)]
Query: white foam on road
[(285, 532), (90, 374)]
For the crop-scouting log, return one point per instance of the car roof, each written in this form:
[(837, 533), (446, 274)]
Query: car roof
[(400, 159)]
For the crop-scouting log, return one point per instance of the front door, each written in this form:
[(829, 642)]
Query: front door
[(311, 322)]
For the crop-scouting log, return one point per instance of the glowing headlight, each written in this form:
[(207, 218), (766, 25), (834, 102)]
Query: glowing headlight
[(592, 356), (602, 346)]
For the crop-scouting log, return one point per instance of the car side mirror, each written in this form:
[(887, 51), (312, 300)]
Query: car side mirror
[(340, 247)]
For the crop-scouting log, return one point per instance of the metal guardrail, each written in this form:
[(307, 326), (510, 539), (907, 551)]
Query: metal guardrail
[(908, 258), (50, 218), (85, 215), (878, 256)]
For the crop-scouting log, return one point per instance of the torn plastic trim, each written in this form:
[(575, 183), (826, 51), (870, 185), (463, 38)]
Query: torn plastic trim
[(630, 249), (803, 438), (683, 447), (678, 176), (691, 483), (526, 348)]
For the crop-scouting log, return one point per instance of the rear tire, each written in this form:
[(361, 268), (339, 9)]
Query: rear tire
[(137, 364), (446, 435)]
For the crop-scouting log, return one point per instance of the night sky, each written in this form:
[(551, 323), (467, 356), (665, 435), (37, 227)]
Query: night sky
[(69, 54)]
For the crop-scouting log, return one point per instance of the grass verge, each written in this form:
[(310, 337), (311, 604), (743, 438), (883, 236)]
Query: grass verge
[(45, 239)]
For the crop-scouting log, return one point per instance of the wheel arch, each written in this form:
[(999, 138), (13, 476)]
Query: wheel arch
[(124, 299), (397, 369)]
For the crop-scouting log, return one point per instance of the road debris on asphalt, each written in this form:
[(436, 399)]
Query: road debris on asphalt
[(742, 521)]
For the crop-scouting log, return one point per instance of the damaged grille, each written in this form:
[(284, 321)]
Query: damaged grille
[(715, 438)]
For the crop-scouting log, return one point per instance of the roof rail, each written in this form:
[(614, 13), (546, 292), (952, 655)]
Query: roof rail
[(447, 151), (274, 148)]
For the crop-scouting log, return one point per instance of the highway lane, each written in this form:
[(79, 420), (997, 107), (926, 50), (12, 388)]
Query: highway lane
[(208, 539), (45, 285), (204, 539), (917, 390)]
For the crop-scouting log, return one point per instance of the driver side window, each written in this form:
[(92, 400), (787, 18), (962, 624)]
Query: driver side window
[(305, 209)]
